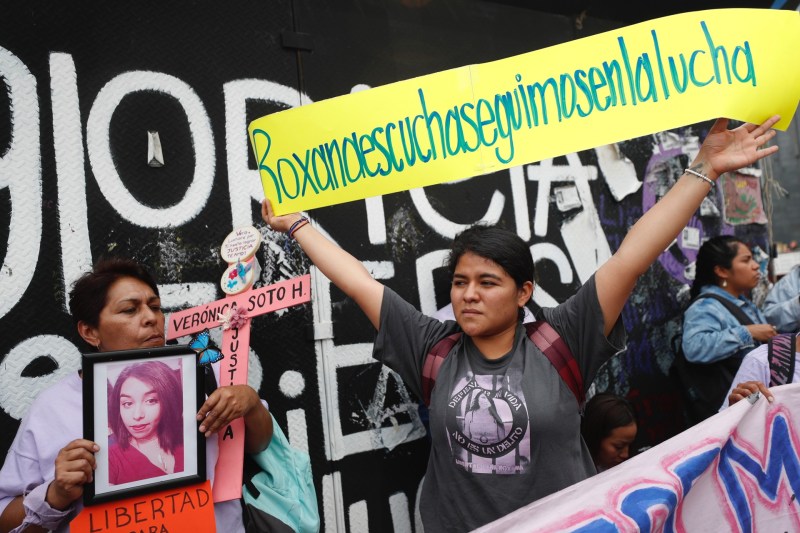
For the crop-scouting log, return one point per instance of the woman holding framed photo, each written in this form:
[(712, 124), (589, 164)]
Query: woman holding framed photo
[(115, 306)]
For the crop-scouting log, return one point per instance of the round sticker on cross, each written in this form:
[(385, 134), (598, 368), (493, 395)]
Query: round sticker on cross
[(240, 276), (240, 244)]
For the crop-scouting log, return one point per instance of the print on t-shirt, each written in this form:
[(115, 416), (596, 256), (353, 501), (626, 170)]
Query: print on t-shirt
[(487, 425)]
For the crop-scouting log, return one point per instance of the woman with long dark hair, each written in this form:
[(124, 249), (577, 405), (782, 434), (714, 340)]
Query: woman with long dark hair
[(721, 325), (482, 422), (145, 414), (608, 428)]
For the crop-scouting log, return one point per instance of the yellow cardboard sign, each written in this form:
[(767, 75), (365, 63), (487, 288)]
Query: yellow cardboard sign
[(653, 76)]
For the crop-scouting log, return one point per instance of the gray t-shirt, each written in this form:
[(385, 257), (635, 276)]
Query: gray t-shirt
[(504, 432)]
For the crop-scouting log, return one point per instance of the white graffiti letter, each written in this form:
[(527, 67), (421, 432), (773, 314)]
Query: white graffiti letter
[(76, 253), (21, 172), (105, 172), (583, 235), (243, 182), (17, 392), (447, 228)]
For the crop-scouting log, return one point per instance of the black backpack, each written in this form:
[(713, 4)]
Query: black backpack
[(704, 385)]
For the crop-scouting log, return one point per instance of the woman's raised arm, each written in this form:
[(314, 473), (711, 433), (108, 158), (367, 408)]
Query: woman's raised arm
[(344, 270), (722, 151)]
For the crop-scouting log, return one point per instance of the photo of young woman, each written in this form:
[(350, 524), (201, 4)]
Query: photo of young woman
[(145, 416), (482, 422)]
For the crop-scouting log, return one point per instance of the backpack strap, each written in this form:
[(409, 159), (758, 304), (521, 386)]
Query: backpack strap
[(781, 356), (732, 308), (250, 469), (433, 362), (540, 333), (558, 353)]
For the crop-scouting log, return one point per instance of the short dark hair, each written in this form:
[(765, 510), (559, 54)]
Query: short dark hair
[(89, 293), (716, 251), (167, 386), (500, 245), (603, 413)]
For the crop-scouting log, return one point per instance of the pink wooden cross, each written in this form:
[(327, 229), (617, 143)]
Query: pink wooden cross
[(233, 367)]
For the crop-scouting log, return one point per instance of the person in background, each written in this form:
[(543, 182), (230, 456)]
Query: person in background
[(725, 268), (115, 306), (608, 428), (468, 484), (782, 306), (715, 334), (754, 375)]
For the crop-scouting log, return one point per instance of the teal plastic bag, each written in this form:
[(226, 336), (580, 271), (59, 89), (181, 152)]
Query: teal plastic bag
[(278, 491)]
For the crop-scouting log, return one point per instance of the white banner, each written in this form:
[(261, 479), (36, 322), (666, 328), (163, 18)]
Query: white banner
[(737, 471)]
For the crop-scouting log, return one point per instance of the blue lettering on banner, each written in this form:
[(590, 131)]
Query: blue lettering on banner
[(781, 457), (623, 80)]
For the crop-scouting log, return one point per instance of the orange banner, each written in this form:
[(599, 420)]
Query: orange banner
[(184, 510)]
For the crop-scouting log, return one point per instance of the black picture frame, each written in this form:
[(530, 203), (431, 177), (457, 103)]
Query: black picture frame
[(118, 465)]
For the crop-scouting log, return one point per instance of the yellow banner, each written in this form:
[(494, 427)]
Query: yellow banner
[(654, 76)]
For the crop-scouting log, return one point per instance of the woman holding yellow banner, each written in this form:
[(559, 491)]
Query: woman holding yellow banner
[(538, 449)]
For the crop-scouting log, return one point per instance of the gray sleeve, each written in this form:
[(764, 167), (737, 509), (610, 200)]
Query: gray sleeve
[(405, 337), (580, 323)]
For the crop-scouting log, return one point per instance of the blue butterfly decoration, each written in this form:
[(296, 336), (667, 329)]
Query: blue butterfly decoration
[(205, 348), (242, 270)]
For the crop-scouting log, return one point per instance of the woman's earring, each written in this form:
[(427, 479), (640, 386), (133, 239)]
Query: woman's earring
[(724, 283)]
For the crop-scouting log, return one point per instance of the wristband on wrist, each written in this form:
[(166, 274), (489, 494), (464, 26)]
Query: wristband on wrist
[(700, 176), (302, 221)]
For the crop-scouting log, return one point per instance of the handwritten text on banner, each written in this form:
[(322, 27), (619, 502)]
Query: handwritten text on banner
[(649, 77), (279, 295), (184, 510), (736, 471)]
